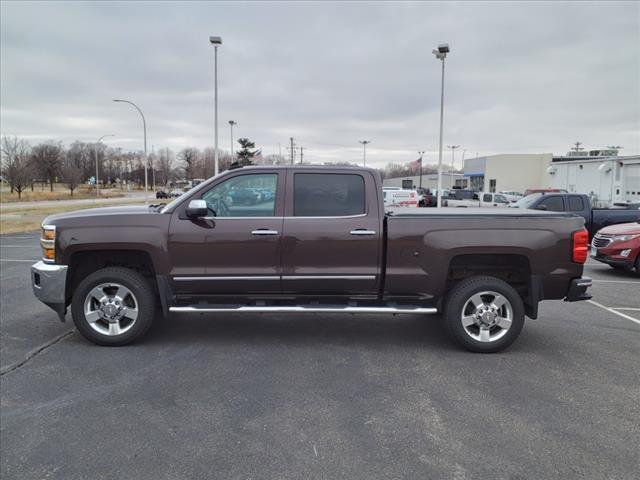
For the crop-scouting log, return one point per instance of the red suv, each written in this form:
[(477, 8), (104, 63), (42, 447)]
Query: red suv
[(618, 246)]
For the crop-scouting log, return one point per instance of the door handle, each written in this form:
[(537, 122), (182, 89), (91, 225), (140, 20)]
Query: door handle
[(264, 231), (362, 231)]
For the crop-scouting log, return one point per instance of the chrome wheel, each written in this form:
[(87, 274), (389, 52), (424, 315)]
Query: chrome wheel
[(487, 316), (110, 309)]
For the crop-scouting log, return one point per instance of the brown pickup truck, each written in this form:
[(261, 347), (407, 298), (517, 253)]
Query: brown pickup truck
[(307, 239)]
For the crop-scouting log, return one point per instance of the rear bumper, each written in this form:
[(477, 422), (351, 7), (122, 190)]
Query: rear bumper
[(49, 285), (578, 290)]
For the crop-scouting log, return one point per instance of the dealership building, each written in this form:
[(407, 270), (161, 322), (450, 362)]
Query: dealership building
[(602, 174)]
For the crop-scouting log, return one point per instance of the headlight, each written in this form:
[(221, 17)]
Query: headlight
[(623, 238), (48, 243)]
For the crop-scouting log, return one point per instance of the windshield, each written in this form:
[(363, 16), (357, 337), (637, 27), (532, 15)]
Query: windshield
[(527, 201)]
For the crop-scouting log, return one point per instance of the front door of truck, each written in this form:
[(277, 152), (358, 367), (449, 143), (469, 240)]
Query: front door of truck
[(331, 242), (236, 248)]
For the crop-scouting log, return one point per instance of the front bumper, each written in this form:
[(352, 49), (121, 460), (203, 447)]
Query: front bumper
[(49, 284), (578, 290)]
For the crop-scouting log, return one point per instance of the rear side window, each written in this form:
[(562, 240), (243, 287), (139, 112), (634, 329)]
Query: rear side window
[(553, 204), (576, 204), (486, 197), (327, 195)]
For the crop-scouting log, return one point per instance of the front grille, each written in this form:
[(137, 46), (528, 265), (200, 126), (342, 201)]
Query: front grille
[(600, 242)]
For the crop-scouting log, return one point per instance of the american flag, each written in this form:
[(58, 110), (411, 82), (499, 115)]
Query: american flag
[(415, 165)]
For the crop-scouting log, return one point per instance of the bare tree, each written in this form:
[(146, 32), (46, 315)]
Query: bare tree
[(17, 167), (165, 165), (47, 158), (71, 171), (190, 158)]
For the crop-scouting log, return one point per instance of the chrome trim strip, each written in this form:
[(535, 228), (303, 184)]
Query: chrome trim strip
[(302, 309), (362, 232), (264, 232), (273, 277), (197, 279), (328, 277)]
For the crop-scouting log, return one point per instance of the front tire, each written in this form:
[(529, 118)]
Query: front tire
[(484, 314), (114, 306)]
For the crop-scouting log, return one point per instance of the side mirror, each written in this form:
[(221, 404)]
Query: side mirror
[(196, 209), (541, 207)]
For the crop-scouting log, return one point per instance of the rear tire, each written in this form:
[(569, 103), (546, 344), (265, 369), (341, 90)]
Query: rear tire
[(114, 306), (484, 314)]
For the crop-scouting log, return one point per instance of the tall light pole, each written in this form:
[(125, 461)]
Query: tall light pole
[(441, 54), (231, 124), (96, 153), (421, 153), (144, 127), (453, 157), (364, 152), (216, 42)]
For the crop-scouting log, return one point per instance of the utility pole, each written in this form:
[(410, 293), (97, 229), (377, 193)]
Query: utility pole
[(291, 139), (577, 147), (421, 154), (301, 153), (364, 153)]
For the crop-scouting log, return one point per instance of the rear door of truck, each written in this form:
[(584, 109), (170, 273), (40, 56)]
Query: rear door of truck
[(332, 233)]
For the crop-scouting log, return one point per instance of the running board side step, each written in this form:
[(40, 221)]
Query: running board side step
[(300, 309)]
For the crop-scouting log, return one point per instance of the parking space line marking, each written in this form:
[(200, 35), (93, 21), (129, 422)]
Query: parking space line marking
[(608, 309), (16, 260), (631, 309), (615, 281)]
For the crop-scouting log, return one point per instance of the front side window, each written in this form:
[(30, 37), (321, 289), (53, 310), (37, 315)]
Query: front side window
[(251, 195), (501, 199), (486, 197), (328, 195)]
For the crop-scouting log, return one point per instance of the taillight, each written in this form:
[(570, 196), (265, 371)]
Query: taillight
[(580, 241)]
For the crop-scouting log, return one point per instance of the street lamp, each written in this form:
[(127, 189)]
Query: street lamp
[(441, 54), (216, 42), (421, 153), (453, 158), (144, 128), (364, 146), (96, 154), (231, 124)]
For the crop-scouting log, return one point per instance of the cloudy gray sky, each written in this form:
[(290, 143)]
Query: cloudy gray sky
[(523, 77)]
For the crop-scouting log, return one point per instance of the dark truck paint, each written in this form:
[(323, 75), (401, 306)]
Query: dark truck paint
[(316, 239), (579, 204)]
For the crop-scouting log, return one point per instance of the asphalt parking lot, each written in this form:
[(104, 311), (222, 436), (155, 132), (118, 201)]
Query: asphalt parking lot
[(320, 396)]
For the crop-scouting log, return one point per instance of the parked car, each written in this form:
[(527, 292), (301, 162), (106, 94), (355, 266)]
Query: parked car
[(325, 244), (512, 196), (578, 204), (618, 246), (477, 199), (425, 198), (400, 198), (176, 192), (162, 194)]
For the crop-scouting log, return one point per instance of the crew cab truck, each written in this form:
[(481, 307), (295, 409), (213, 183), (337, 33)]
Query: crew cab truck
[(579, 204), (321, 243)]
